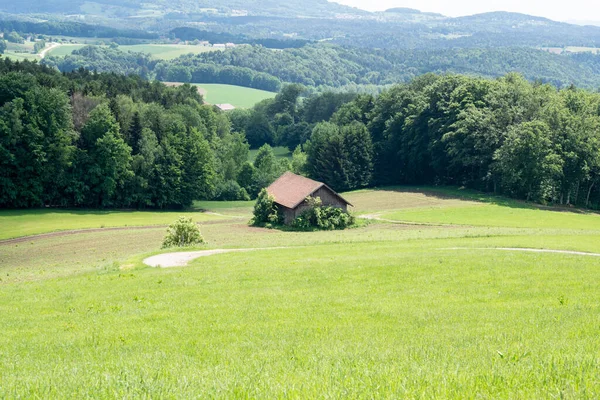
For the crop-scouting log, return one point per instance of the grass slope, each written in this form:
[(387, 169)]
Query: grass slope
[(240, 97), (157, 51), (167, 51), (371, 320), (280, 152), (65, 49), (497, 215), (31, 222), (385, 310)]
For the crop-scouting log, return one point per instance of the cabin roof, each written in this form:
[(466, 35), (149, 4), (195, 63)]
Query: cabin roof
[(290, 190)]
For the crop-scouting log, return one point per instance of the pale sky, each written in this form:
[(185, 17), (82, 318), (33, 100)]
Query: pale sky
[(557, 10)]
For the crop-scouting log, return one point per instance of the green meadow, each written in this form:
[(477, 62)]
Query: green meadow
[(31, 222), (427, 300), (167, 51), (157, 51), (65, 49), (238, 96), (279, 151)]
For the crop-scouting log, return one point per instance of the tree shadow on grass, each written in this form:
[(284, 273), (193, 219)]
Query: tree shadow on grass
[(455, 193)]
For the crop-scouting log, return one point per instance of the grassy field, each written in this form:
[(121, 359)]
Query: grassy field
[(32, 222), (497, 215), (65, 49), (238, 96), (280, 152), (167, 51), (20, 52), (157, 51), (386, 310)]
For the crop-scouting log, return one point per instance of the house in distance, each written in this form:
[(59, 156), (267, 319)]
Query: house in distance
[(290, 192)]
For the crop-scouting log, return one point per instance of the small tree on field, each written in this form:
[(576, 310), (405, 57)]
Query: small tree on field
[(265, 210), (182, 233)]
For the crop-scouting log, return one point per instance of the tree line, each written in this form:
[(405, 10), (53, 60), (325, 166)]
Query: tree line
[(74, 29), (326, 67), (106, 140), (84, 139), (526, 140)]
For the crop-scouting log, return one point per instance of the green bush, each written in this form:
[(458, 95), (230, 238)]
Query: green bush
[(265, 210), (231, 191), (182, 233), (322, 218)]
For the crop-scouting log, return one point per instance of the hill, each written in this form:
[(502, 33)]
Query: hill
[(128, 8), (329, 66)]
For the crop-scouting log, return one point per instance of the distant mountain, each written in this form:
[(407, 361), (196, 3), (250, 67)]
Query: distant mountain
[(156, 8), (405, 10), (583, 22)]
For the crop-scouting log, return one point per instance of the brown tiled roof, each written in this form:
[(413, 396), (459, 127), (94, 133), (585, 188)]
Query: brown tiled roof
[(290, 189)]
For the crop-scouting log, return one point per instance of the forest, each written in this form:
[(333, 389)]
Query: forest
[(509, 136), (74, 29), (87, 139), (107, 140), (323, 67)]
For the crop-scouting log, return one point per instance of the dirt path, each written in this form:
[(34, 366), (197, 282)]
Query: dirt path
[(181, 259), (576, 253), (47, 49)]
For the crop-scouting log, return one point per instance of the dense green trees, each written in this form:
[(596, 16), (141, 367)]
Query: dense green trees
[(102, 140), (525, 140), (101, 59), (106, 140), (2, 46), (325, 67), (341, 156), (73, 29), (39, 46)]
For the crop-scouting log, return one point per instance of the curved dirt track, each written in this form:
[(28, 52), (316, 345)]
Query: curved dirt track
[(570, 252), (181, 259)]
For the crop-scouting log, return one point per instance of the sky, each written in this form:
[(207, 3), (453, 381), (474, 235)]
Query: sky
[(563, 10)]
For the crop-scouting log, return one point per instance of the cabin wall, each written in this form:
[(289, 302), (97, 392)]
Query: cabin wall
[(327, 198)]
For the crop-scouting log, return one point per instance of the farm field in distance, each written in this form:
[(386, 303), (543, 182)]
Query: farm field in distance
[(238, 96), (157, 51), (427, 297)]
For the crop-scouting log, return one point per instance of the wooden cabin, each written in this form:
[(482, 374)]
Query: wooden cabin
[(291, 191)]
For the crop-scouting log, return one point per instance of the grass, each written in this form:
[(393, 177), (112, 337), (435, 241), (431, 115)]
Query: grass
[(32, 222), (156, 51), (167, 51), (382, 311), (65, 49), (20, 52), (279, 151), (238, 96), (374, 320), (499, 216)]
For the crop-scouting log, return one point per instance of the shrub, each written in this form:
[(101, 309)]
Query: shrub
[(231, 191), (323, 218), (265, 210), (182, 233)]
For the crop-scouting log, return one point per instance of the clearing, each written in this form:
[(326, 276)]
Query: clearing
[(279, 151), (238, 96), (501, 299), (156, 51)]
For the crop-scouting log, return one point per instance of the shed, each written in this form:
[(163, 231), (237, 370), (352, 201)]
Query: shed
[(291, 191)]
